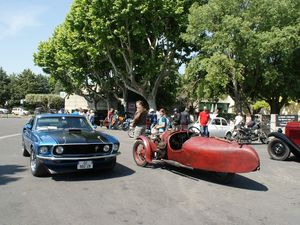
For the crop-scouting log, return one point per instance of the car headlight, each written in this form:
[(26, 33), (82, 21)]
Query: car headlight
[(43, 150), (106, 148), (59, 150), (115, 147)]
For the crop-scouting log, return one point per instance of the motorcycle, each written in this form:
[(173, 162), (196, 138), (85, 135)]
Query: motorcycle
[(253, 132)]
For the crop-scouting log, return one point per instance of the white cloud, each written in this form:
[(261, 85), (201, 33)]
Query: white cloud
[(14, 21)]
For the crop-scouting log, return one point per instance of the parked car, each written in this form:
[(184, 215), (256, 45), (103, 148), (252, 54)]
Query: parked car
[(183, 149), (66, 143), (4, 111), (19, 111), (282, 145), (217, 127)]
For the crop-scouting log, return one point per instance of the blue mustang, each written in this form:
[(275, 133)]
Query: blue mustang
[(65, 143)]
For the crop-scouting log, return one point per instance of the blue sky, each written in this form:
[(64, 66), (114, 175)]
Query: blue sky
[(23, 24)]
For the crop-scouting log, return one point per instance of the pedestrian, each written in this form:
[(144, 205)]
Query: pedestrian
[(176, 119), (203, 121), (109, 117), (238, 120), (215, 114), (140, 119), (184, 119), (153, 118), (162, 123), (92, 117)]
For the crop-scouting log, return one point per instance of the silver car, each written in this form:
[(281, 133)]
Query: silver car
[(4, 111), (217, 127)]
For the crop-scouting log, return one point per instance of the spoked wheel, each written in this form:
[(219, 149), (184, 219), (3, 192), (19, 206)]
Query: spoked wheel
[(37, 169), (223, 178), (131, 132), (194, 131), (278, 150), (139, 153), (264, 138)]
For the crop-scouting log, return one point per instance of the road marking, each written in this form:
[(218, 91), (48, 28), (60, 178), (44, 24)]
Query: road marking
[(8, 136)]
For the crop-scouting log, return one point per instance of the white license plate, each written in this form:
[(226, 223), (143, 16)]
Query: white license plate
[(84, 165)]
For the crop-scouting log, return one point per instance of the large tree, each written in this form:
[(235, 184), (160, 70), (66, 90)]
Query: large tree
[(246, 48), (140, 39), (4, 87)]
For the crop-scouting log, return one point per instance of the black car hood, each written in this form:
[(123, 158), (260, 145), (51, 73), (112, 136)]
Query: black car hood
[(72, 137)]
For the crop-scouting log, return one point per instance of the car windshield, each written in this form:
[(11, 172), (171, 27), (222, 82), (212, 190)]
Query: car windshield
[(54, 123)]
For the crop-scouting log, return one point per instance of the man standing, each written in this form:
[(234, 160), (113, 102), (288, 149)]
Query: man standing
[(184, 119), (140, 119), (203, 120)]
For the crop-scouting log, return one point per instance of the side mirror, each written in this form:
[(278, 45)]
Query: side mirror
[(28, 126)]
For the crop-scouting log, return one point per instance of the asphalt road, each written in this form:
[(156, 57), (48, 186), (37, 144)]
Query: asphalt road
[(134, 195)]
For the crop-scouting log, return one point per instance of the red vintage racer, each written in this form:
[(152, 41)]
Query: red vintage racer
[(185, 149)]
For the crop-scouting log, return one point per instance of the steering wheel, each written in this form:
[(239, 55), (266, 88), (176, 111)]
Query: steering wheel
[(194, 131)]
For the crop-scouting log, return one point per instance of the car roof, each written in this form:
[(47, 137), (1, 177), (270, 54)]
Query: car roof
[(58, 115)]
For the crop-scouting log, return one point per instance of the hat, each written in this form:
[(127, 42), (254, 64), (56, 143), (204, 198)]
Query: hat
[(151, 110)]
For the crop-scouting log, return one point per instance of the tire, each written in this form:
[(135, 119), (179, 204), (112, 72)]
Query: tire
[(223, 178), (139, 155), (228, 136), (24, 150), (263, 138), (131, 132), (278, 150), (37, 169)]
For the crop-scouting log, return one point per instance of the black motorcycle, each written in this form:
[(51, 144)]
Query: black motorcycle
[(253, 132)]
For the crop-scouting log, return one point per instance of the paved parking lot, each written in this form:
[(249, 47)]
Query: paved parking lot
[(133, 195)]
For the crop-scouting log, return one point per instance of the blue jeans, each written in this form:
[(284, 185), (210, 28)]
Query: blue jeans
[(204, 131)]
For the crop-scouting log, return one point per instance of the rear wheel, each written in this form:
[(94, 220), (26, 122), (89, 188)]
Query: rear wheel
[(228, 136), (278, 150), (139, 153), (37, 169)]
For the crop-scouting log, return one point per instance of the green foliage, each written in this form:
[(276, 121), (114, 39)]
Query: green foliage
[(260, 105), (247, 49), (4, 87)]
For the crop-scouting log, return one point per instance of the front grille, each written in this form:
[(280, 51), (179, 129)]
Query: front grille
[(82, 149)]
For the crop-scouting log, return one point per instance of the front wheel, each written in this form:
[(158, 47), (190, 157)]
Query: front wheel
[(139, 153), (278, 150), (130, 132), (37, 169)]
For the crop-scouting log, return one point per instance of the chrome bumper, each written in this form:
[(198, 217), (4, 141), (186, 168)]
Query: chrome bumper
[(52, 158)]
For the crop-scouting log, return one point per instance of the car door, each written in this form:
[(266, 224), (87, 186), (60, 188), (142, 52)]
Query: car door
[(215, 127)]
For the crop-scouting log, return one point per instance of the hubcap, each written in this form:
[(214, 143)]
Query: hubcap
[(278, 149)]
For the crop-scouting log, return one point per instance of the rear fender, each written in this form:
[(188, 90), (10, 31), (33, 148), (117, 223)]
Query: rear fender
[(293, 147), (150, 147)]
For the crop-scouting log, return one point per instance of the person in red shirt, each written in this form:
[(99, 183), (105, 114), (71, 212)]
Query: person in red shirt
[(203, 120)]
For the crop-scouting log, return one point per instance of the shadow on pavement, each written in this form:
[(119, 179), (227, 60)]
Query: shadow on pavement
[(238, 180), (119, 171), (293, 158), (6, 172)]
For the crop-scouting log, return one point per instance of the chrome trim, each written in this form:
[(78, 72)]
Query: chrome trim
[(52, 158)]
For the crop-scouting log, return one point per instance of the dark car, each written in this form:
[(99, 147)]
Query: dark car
[(66, 143), (281, 146)]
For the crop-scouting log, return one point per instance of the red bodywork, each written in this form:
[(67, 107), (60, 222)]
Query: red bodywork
[(292, 131), (211, 154)]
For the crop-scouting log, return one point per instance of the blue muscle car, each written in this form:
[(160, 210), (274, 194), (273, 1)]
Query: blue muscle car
[(66, 143)]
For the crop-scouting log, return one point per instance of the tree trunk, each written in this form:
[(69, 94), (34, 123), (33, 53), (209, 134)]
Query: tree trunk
[(151, 102)]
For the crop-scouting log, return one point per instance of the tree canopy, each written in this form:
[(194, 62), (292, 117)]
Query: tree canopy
[(246, 48)]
